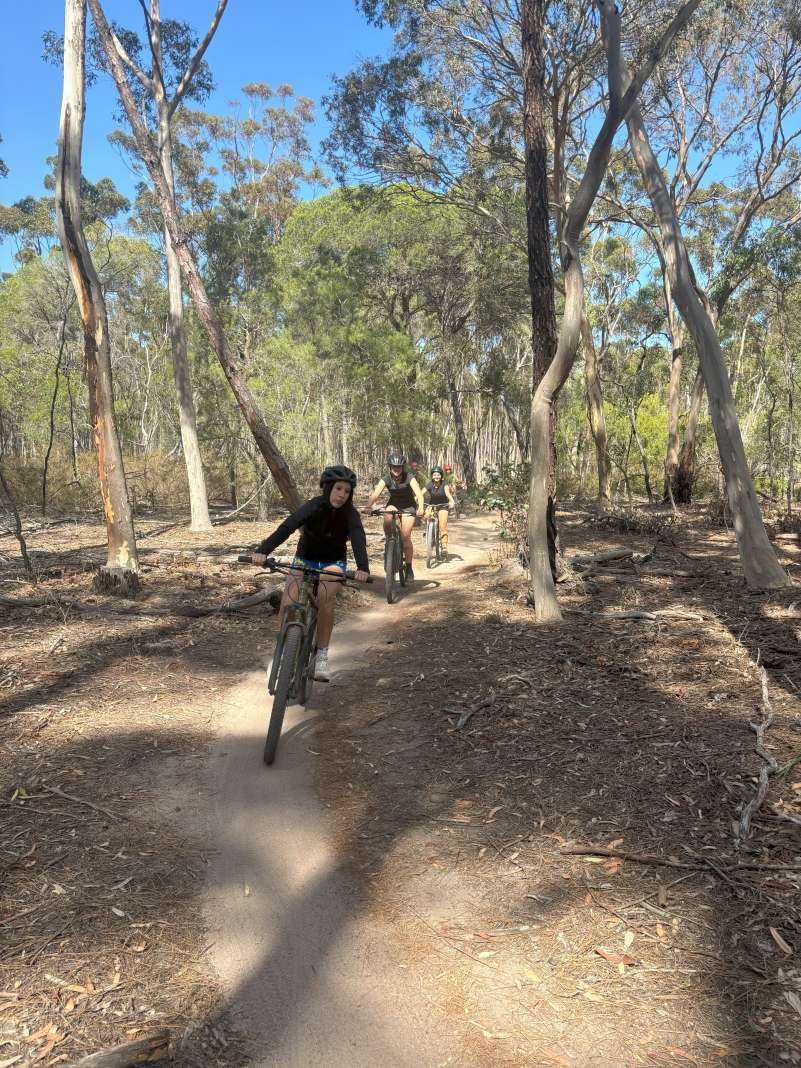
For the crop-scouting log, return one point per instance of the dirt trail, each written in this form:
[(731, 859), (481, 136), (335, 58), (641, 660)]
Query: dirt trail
[(309, 977)]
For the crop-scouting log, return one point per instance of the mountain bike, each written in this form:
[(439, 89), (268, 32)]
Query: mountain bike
[(434, 551), (395, 565), (292, 672)]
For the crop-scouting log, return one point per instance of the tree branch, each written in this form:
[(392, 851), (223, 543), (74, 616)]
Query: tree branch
[(196, 60)]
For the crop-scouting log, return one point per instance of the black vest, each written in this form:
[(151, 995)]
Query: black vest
[(401, 494)]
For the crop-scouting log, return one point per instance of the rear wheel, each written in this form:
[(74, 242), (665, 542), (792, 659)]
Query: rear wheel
[(389, 569), (283, 688)]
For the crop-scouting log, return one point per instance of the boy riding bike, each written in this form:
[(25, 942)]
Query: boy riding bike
[(328, 522), (440, 500), (405, 496)]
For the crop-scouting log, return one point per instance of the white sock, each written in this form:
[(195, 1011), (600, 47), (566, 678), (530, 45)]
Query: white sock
[(322, 649)]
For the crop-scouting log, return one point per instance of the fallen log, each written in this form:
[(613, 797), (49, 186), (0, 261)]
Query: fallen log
[(146, 1050)]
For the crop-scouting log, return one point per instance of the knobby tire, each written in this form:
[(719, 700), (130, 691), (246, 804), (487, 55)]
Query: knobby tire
[(401, 559), (430, 547), (283, 687), (389, 570), (309, 657)]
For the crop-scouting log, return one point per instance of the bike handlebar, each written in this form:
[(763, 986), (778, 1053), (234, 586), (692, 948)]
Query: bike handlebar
[(276, 565)]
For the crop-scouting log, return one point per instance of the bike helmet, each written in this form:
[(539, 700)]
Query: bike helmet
[(437, 471), (396, 459), (448, 469), (337, 473)]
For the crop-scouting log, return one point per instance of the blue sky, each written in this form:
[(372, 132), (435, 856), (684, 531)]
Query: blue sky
[(302, 42)]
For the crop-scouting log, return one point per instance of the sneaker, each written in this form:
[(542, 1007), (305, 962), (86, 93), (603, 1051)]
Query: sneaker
[(321, 670), (409, 573)]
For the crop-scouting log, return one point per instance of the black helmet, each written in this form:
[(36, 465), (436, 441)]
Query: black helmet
[(438, 471), (396, 459), (338, 473)]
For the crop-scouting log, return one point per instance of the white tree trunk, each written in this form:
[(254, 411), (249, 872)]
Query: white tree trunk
[(196, 479), (122, 554), (761, 568)]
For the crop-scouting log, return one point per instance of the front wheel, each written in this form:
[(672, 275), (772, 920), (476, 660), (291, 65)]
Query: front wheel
[(401, 565), (283, 688), (430, 544), (389, 570), (308, 660)]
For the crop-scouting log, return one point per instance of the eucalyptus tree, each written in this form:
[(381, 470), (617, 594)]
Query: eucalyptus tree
[(726, 101), (122, 556), (177, 72), (206, 312), (761, 568)]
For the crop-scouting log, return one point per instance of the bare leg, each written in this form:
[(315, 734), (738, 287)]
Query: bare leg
[(443, 528), (326, 605), (290, 593), (407, 524)]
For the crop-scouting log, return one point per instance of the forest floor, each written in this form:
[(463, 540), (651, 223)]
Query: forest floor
[(462, 764)]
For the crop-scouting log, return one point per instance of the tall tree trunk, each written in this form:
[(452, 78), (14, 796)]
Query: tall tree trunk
[(111, 473), (684, 473), (511, 415), (543, 590), (595, 413), (206, 312), (676, 331), (761, 568), (465, 455), (641, 450), (195, 476), (540, 284), (61, 338)]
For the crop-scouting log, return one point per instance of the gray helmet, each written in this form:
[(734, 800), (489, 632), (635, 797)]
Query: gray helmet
[(396, 459)]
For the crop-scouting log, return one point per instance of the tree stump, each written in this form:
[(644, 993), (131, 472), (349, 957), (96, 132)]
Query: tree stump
[(116, 582)]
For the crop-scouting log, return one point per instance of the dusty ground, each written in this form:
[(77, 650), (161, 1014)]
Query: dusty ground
[(629, 734), (624, 733)]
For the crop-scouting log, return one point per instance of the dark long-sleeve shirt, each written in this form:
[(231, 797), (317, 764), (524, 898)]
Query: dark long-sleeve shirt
[(325, 534)]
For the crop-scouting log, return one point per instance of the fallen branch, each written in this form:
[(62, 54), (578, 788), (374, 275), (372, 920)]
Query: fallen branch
[(80, 801), (154, 1047), (669, 862), (769, 765), (468, 713), (230, 515), (273, 596), (611, 556), (637, 858), (654, 617)]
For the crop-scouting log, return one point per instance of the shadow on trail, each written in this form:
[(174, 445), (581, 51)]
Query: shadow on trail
[(584, 742), (596, 750)]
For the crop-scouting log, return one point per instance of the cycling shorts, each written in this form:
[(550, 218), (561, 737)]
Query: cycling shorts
[(319, 565), (407, 511)]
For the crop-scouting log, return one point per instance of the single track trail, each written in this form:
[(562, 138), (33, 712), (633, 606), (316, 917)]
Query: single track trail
[(306, 973)]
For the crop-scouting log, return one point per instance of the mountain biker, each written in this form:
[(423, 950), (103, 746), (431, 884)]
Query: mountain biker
[(449, 478), (441, 501), (328, 522), (405, 496)]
